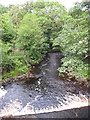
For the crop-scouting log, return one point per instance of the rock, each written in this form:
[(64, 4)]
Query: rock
[(77, 99), (83, 99), (73, 78), (61, 77), (2, 87), (30, 95), (10, 115)]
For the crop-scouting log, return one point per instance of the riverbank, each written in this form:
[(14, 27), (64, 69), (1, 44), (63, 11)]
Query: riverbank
[(84, 83)]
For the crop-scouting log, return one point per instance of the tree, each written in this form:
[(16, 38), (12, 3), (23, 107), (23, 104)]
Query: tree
[(3, 9), (30, 38), (8, 31), (73, 40), (51, 18)]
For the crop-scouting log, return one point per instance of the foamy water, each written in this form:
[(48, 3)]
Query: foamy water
[(2, 92), (16, 109)]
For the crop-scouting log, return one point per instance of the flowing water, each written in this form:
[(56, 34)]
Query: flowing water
[(47, 94)]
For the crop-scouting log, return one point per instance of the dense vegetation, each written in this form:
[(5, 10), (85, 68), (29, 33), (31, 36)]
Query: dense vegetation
[(73, 40), (30, 30)]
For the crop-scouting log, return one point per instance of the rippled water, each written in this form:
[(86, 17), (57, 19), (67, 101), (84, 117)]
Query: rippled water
[(46, 94)]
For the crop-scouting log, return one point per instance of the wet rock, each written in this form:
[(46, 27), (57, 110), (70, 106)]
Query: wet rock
[(77, 99), (30, 95), (21, 78), (83, 99)]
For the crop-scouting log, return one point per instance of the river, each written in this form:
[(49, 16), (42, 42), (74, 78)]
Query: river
[(47, 94)]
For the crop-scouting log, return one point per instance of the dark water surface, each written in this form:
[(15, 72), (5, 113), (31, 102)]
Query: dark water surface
[(46, 94)]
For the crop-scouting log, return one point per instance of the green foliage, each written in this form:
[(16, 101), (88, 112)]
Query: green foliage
[(73, 40), (74, 66), (12, 62), (3, 9), (16, 14), (30, 38), (8, 32), (51, 17)]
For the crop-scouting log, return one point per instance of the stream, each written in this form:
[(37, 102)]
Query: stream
[(47, 94)]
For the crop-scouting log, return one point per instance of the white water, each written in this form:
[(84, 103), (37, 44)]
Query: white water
[(16, 109), (2, 92)]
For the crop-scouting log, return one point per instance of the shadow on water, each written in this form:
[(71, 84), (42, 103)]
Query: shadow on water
[(46, 92)]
